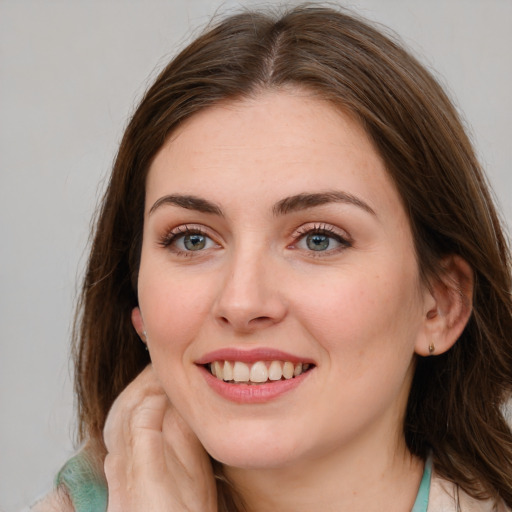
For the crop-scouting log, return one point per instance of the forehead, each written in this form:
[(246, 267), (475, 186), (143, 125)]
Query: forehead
[(271, 145)]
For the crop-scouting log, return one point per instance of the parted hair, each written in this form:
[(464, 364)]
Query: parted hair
[(457, 399)]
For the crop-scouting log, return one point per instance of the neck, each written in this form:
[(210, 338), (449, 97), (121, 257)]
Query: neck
[(380, 477)]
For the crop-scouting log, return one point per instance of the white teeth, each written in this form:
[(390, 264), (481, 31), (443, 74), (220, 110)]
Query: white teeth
[(241, 372), (219, 372), (288, 370), (259, 372), (275, 371), (228, 371)]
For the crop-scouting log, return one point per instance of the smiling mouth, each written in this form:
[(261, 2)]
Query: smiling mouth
[(260, 372)]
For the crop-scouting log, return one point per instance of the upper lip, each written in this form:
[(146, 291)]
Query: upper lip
[(251, 356)]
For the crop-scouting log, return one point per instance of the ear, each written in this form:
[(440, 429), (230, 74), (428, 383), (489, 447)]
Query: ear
[(448, 306), (138, 323)]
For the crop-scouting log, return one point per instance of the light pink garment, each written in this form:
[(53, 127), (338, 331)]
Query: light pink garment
[(446, 497)]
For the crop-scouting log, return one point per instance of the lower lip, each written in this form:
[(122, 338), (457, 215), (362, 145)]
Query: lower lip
[(252, 393)]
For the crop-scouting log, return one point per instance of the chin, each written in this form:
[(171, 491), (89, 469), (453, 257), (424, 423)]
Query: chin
[(253, 459), (252, 450)]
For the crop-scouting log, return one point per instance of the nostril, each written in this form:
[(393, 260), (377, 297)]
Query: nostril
[(260, 319), (252, 323)]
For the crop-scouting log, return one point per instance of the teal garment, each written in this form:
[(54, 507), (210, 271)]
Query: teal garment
[(421, 503), (88, 490)]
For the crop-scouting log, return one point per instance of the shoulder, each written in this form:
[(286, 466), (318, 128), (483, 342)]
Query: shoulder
[(84, 482), (79, 486), (445, 496), (55, 501)]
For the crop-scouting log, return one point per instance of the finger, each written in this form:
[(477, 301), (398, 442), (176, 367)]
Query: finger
[(136, 413), (116, 479), (145, 440), (118, 427), (133, 438), (152, 453), (182, 447)]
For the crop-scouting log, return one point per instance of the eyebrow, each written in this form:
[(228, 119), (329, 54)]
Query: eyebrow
[(287, 205), (189, 202), (305, 201)]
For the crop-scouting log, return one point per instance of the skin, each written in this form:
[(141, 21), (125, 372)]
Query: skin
[(358, 309)]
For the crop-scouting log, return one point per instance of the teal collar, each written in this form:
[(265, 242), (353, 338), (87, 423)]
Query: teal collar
[(421, 503)]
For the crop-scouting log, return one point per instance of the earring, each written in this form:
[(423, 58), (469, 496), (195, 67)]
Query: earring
[(145, 339), (431, 348)]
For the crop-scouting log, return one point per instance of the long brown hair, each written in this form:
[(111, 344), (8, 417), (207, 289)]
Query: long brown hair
[(456, 400)]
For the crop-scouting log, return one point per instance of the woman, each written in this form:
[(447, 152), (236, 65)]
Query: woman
[(297, 229)]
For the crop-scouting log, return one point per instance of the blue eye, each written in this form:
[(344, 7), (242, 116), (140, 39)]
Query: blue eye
[(186, 240), (319, 242), (321, 239)]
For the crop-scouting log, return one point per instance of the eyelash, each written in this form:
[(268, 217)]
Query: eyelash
[(171, 237), (322, 229)]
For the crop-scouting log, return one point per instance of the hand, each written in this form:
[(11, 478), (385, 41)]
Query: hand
[(154, 461)]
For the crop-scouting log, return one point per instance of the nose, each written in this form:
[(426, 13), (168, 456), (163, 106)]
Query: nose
[(250, 297)]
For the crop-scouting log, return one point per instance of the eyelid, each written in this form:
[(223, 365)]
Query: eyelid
[(170, 235), (324, 227), (335, 232)]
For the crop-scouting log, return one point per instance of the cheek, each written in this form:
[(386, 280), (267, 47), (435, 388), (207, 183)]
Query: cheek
[(173, 309), (366, 326), (360, 310)]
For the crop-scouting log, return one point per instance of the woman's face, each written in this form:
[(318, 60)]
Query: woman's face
[(273, 236)]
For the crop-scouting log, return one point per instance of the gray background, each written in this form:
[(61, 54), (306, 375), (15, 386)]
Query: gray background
[(70, 74)]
